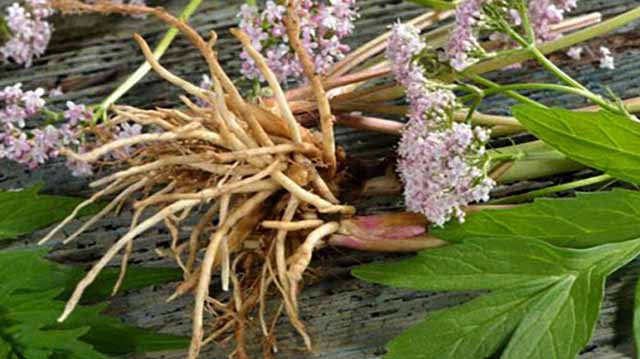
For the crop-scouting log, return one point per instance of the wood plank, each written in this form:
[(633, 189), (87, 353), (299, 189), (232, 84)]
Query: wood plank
[(347, 318)]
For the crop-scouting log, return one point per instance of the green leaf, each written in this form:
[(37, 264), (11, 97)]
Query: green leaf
[(110, 336), (544, 304), (636, 318), (30, 288), (437, 4), (587, 220), (601, 140), (22, 212), (454, 333)]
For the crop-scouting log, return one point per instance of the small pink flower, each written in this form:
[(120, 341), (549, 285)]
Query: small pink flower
[(575, 52), (441, 163), (30, 31), (323, 26), (77, 113), (606, 60)]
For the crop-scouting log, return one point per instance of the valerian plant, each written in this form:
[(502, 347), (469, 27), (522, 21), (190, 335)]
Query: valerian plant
[(265, 188), (32, 291), (545, 273)]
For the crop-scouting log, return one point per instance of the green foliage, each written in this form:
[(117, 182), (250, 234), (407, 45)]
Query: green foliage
[(601, 140), (22, 212), (636, 318), (544, 302), (589, 219), (30, 303)]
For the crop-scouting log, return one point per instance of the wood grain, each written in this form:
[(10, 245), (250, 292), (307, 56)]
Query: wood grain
[(347, 318)]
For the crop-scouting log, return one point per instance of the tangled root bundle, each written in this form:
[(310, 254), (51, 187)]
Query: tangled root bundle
[(268, 181)]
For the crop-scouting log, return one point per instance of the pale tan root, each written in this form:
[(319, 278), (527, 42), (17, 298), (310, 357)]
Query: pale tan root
[(95, 270), (95, 154), (326, 118), (211, 193), (281, 100), (205, 274), (194, 238), (148, 167), (291, 309), (225, 262), (129, 248), (108, 190), (165, 74), (225, 148), (302, 257), (304, 148), (293, 225), (306, 196), (108, 208)]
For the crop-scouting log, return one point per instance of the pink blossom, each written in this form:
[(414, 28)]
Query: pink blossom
[(575, 52), (77, 113), (546, 13), (442, 171), (30, 31), (36, 146), (323, 26), (606, 60), (463, 41), (126, 130), (441, 163), (463, 48)]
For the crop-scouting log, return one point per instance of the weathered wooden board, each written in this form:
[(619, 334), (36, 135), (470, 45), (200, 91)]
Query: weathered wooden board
[(347, 318)]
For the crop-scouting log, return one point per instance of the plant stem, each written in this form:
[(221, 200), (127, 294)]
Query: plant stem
[(555, 87), (558, 44), (498, 88), (555, 70), (162, 47), (553, 189)]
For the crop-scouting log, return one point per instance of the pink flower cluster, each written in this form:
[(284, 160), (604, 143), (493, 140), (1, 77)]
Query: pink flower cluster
[(30, 31), (323, 26), (441, 163), (545, 13), (463, 41), (34, 147), (30, 147), (463, 47)]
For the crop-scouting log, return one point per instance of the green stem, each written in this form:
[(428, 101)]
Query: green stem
[(437, 4), (162, 47), (497, 88), (555, 70), (539, 160), (553, 189), (558, 44), (51, 116), (555, 87)]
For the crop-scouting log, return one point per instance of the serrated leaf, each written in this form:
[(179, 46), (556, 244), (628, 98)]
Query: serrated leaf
[(453, 333), (587, 220), (636, 318), (26, 313), (558, 313), (108, 335), (601, 140), (22, 212), (30, 288)]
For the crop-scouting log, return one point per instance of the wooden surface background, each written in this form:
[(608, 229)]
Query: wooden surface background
[(347, 318)]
